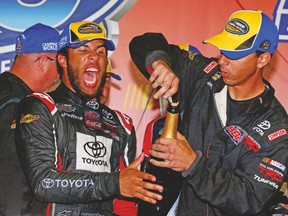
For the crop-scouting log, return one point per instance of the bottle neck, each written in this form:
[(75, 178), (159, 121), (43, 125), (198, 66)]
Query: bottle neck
[(171, 122)]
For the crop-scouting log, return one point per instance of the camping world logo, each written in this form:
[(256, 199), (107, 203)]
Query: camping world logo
[(17, 15)]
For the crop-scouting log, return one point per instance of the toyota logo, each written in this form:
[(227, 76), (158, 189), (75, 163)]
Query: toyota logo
[(95, 149), (93, 104), (48, 183), (107, 114)]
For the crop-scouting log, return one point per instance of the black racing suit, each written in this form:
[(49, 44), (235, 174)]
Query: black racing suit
[(72, 150), (244, 161), (15, 198)]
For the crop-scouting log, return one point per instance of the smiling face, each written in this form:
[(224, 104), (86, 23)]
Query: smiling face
[(84, 67)]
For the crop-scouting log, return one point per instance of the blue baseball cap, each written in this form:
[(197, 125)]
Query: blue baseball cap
[(246, 31), (78, 33), (38, 38)]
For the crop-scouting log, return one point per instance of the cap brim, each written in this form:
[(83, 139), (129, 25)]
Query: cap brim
[(227, 46), (234, 55), (115, 76), (108, 43)]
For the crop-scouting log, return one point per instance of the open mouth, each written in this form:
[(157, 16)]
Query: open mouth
[(90, 77), (224, 74)]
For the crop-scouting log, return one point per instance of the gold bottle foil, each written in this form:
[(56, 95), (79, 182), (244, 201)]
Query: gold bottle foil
[(171, 122)]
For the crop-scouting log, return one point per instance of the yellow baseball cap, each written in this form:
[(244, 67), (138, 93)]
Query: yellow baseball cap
[(246, 31), (78, 33)]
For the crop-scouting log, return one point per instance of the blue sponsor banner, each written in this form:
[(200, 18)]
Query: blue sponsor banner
[(281, 19), (17, 15)]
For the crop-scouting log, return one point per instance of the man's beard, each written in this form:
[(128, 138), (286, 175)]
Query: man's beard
[(75, 82)]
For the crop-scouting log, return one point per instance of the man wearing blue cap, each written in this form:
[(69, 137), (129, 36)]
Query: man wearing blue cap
[(72, 146), (34, 69), (234, 149)]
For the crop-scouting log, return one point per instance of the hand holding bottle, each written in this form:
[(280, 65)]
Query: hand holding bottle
[(172, 148), (169, 179), (177, 154)]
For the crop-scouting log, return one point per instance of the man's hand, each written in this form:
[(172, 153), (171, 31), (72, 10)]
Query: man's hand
[(177, 153), (132, 183), (163, 77)]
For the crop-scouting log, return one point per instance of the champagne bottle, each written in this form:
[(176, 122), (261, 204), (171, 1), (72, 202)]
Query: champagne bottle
[(171, 121), (168, 178)]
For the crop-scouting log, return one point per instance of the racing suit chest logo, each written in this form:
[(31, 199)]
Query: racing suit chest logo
[(95, 149)]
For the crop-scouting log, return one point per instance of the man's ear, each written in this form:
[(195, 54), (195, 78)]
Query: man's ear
[(264, 59), (62, 60)]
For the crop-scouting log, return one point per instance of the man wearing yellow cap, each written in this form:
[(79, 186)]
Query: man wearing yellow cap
[(106, 87), (232, 149), (73, 147)]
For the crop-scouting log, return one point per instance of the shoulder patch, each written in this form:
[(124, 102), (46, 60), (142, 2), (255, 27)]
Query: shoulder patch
[(126, 121), (47, 100), (236, 133), (210, 67)]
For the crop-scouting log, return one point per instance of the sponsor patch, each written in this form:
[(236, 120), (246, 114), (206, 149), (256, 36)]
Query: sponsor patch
[(90, 114), (93, 104), (265, 45), (236, 133), (89, 29), (252, 144), (237, 26), (29, 118), (93, 153), (210, 67), (265, 125), (72, 116), (274, 163), (93, 124), (108, 117), (260, 128), (277, 134), (270, 173), (65, 107), (92, 119)]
